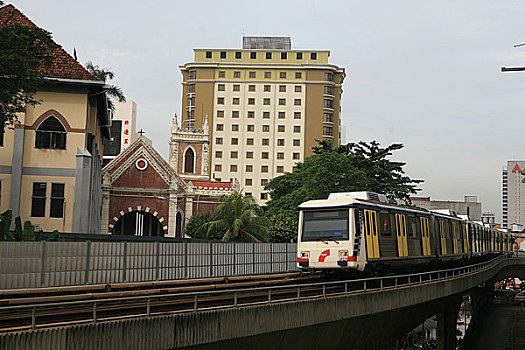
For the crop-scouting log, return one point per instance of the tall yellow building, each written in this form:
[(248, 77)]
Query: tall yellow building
[(50, 161), (266, 106)]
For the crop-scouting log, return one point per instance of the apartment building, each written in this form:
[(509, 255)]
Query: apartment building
[(266, 106), (513, 194)]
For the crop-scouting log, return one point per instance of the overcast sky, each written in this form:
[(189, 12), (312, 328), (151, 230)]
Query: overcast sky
[(422, 73)]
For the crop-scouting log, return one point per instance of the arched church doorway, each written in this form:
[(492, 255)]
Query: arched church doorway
[(138, 223)]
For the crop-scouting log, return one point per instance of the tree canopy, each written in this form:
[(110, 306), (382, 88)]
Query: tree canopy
[(357, 166), (238, 218), (105, 75), (23, 55)]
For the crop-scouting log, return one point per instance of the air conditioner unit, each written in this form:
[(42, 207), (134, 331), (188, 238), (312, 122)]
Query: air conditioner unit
[(364, 195)]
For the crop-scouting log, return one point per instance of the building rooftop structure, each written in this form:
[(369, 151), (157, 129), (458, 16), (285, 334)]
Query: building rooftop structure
[(266, 43)]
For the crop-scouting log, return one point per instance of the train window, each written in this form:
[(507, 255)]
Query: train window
[(412, 227), (384, 224), (325, 225)]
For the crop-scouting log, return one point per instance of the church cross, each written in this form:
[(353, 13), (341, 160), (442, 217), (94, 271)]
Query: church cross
[(141, 132)]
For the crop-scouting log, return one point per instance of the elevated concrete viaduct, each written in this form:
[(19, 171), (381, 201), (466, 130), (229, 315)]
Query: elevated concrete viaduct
[(364, 320)]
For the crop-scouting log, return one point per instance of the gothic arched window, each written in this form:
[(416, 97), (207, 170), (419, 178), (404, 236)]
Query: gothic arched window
[(51, 134), (189, 161)]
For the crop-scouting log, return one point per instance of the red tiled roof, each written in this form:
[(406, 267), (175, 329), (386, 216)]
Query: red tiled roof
[(63, 65), (211, 185)]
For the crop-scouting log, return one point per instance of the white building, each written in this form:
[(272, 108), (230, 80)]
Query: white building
[(123, 130), (513, 194)]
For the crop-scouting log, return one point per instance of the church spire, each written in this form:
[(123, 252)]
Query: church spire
[(174, 125)]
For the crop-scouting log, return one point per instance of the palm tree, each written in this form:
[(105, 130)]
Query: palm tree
[(113, 90), (238, 218)]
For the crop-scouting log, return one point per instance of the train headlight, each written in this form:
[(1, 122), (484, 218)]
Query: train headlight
[(305, 255), (343, 253)]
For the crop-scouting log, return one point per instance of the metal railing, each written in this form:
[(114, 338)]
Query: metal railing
[(234, 298)]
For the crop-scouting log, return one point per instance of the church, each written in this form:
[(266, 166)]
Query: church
[(145, 195)]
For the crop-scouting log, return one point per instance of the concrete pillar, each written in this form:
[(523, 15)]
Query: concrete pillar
[(189, 209), (81, 209), (16, 173), (172, 216), (104, 222), (447, 324)]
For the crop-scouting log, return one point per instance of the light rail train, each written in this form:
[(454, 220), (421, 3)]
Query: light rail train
[(362, 231)]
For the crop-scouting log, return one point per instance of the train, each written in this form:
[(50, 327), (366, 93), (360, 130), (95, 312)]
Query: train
[(364, 232)]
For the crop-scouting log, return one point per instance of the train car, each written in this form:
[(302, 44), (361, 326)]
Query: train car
[(363, 231)]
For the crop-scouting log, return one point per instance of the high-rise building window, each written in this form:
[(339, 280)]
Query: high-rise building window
[(233, 168), (234, 154), (235, 114), (235, 101), (221, 87), (298, 75), (265, 142), (313, 55), (280, 128), (236, 87), (297, 128), (192, 74), (266, 101), (222, 74), (234, 141), (267, 75), (218, 141), (252, 75), (329, 104), (235, 127), (253, 55), (264, 196), (282, 75), (284, 55), (208, 54), (296, 142), (266, 115), (251, 87), (251, 101), (282, 115), (249, 141), (264, 182), (295, 155), (248, 182), (51, 134), (191, 88), (329, 77), (298, 88), (280, 155), (268, 55), (266, 128), (296, 115), (249, 155), (328, 117), (220, 100), (218, 154), (249, 168), (220, 127), (280, 142), (265, 155), (267, 88), (38, 200), (264, 168), (218, 167), (328, 131), (251, 114), (282, 88), (250, 128), (282, 102), (236, 74), (329, 90), (297, 102), (57, 200), (299, 55), (280, 169), (238, 55), (223, 54)]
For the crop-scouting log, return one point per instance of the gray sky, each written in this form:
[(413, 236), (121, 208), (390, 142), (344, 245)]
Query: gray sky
[(422, 73)]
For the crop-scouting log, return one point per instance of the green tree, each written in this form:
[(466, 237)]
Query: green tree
[(5, 224), (283, 228), (113, 90), (23, 56), (238, 218), (195, 227), (353, 167)]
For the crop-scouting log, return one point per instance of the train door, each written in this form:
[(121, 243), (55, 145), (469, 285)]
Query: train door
[(455, 234), (401, 229), (372, 240), (465, 238), (425, 236), (442, 237)]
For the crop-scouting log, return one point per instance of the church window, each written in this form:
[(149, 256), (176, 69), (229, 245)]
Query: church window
[(51, 134), (189, 161)]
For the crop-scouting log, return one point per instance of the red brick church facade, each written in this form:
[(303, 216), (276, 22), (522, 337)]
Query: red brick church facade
[(146, 196)]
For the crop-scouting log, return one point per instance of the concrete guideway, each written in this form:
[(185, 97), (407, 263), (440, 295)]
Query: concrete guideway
[(353, 320)]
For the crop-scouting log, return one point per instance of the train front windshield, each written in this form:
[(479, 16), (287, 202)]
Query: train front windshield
[(325, 225)]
